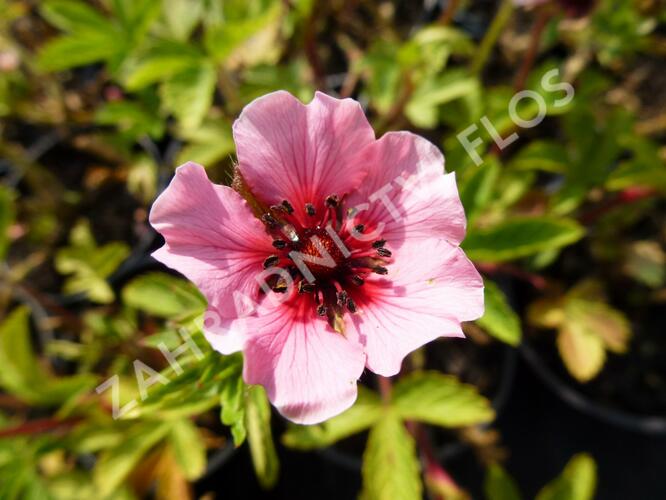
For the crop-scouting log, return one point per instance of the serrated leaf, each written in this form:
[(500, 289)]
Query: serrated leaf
[(189, 94), (188, 448), (260, 437), (521, 237), (499, 319), (498, 485), (163, 295), (366, 411), (438, 399), (578, 481), (390, 466)]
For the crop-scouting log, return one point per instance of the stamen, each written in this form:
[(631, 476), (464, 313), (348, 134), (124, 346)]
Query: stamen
[(305, 287), (332, 200), (384, 252), (270, 261), (321, 310), (280, 286), (310, 209), (359, 228), (351, 305), (357, 280), (380, 270), (287, 207), (378, 243), (342, 298), (269, 220), (279, 244)]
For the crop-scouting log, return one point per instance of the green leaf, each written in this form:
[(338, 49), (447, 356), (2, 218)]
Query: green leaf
[(233, 399), (188, 448), (498, 485), (578, 481), (189, 94), (260, 438), (477, 186), (208, 144), (499, 319), (390, 466), (114, 465), (548, 156), (131, 118), (77, 50), (7, 215), (163, 295), (75, 16), (423, 106), (438, 399), (23, 374), (161, 62), (521, 237), (182, 16), (89, 264), (250, 40), (366, 411)]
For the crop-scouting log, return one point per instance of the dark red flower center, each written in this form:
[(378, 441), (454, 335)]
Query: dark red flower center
[(327, 253)]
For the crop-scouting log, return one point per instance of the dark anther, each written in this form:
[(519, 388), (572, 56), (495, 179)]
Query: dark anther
[(380, 270), (310, 209), (359, 228), (383, 252), (305, 287), (357, 280), (279, 244), (287, 207), (271, 261), (269, 220), (351, 305), (332, 200), (321, 310), (280, 286), (378, 243), (342, 298)]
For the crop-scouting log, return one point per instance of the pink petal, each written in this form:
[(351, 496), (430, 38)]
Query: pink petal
[(427, 206), (211, 237), (290, 151), (309, 370), (431, 287), (223, 335)]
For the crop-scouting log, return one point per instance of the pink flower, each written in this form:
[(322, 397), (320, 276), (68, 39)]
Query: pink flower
[(355, 246)]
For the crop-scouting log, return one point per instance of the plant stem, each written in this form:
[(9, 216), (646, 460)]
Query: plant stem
[(447, 14), (488, 42), (535, 41), (38, 426), (385, 388)]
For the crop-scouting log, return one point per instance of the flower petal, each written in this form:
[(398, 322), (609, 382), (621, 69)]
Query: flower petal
[(290, 151), (431, 287), (309, 370), (211, 237), (408, 193)]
